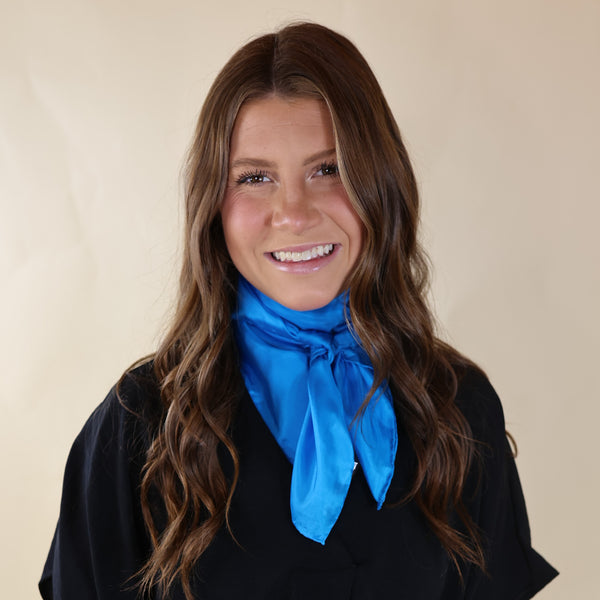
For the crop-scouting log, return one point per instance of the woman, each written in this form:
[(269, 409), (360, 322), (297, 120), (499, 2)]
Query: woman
[(300, 432)]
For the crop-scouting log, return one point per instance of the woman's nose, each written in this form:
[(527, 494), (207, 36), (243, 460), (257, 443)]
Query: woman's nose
[(294, 209)]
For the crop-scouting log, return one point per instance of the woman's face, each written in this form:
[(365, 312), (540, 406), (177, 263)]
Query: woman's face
[(289, 226)]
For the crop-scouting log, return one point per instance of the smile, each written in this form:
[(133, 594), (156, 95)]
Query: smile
[(304, 256)]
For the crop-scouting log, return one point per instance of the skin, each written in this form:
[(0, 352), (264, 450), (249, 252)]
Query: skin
[(285, 203)]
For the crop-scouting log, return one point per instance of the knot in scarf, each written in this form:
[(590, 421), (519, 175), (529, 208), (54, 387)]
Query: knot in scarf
[(308, 376)]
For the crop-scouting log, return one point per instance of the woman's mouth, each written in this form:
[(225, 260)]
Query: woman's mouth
[(319, 251)]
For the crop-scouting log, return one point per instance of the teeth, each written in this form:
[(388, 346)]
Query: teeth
[(314, 252)]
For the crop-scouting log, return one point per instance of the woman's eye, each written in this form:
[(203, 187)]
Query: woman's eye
[(253, 178), (330, 169)]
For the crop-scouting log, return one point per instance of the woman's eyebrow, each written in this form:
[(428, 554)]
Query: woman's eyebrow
[(319, 155), (251, 162), (259, 162)]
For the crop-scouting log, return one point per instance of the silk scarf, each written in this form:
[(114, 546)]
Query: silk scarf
[(307, 376)]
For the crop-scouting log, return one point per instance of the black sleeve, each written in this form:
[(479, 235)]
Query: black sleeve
[(100, 539), (515, 571)]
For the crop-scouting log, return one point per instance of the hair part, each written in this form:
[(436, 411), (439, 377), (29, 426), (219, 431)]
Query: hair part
[(196, 362)]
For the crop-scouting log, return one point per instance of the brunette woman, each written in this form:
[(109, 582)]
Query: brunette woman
[(300, 432)]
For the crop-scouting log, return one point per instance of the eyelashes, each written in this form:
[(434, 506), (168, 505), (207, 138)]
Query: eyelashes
[(252, 177), (329, 169), (258, 176)]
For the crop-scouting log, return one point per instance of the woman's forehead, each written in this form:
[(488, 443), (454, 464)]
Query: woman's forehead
[(265, 125)]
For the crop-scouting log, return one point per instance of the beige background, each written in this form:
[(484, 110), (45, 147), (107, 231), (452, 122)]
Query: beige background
[(498, 101)]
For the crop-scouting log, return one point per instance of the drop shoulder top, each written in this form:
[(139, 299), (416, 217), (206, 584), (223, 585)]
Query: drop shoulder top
[(100, 540)]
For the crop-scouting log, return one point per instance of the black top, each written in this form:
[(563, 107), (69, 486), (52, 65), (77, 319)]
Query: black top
[(100, 539)]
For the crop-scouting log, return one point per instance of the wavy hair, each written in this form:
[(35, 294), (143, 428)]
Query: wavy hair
[(196, 363)]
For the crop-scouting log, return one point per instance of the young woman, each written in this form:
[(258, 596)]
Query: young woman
[(300, 432)]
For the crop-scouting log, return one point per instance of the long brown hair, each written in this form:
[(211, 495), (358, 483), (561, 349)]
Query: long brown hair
[(196, 362)]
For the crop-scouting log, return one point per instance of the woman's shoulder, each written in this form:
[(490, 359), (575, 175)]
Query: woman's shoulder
[(100, 539), (128, 414), (495, 500), (478, 401), (138, 392)]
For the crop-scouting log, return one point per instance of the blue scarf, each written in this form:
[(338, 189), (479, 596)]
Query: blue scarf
[(307, 376)]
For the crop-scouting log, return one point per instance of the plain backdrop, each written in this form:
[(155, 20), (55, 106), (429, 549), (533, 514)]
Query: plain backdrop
[(498, 104)]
